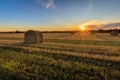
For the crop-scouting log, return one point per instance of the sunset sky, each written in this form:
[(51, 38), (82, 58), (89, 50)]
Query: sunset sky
[(56, 14)]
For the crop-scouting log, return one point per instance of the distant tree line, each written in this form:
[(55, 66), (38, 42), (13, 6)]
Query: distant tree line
[(13, 32), (92, 31), (105, 31)]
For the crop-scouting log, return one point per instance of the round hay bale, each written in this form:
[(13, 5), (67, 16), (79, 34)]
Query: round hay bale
[(33, 37), (114, 33)]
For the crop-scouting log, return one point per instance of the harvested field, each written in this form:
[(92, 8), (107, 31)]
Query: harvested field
[(62, 56)]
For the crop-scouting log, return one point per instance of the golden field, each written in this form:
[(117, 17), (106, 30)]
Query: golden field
[(62, 56)]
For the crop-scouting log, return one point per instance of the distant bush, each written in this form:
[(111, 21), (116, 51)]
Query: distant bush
[(17, 31)]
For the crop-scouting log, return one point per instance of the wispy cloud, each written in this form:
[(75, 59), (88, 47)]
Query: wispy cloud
[(90, 6), (46, 3), (93, 24)]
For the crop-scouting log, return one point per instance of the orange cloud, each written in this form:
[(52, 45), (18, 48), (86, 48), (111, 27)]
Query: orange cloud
[(93, 24)]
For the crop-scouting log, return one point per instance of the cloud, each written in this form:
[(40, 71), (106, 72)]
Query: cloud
[(111, 25), (93, 24), (90, 6), (46, 3)]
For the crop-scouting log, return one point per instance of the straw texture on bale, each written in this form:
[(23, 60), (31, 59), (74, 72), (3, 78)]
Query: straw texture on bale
[(114, 33), (33, 37)]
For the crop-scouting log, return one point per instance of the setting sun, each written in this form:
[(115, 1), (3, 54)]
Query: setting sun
[(82, 28)]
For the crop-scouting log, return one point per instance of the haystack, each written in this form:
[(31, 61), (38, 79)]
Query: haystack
[(114, 33), (33, 37)]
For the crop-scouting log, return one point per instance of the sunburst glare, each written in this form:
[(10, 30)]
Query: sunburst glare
[(83, 28)]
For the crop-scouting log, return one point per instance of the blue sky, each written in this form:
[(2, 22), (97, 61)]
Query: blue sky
[(56, 14)]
